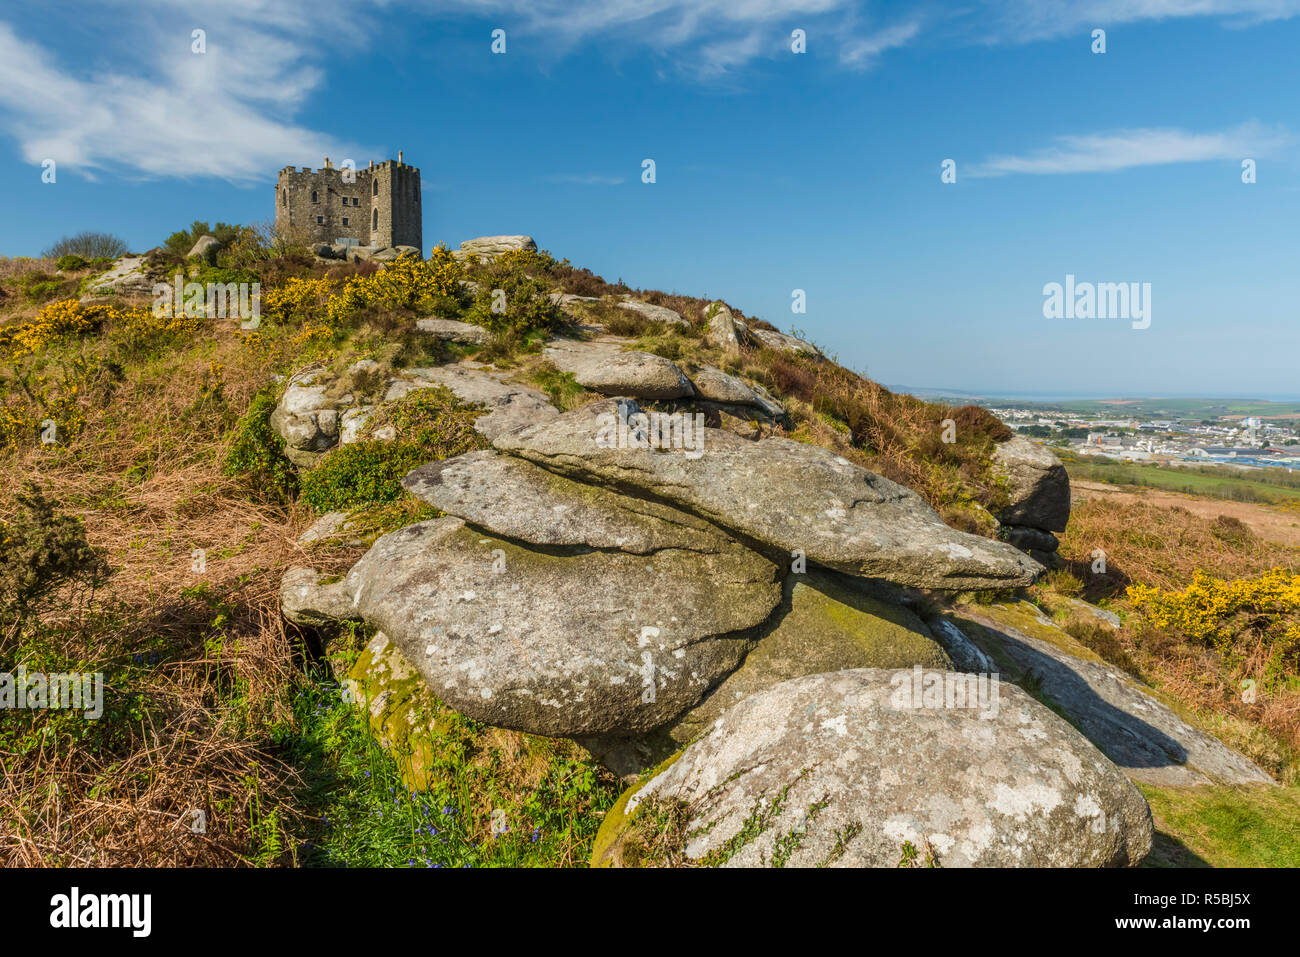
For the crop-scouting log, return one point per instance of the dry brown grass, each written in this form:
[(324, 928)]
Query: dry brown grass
[(1160, 546), (214, 656), (1163, 547)]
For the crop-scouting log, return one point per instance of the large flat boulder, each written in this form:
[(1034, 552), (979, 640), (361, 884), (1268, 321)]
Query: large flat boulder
[(559, 642), (514, 498), (830, 770), (607, 368), (452, 330), (1037, 484), (786, 494), (786, 343), (654, 313), (489, 247)]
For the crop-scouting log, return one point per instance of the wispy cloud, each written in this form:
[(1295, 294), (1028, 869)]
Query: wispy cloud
[(863, 52), (1114, 150), (1018, 21)]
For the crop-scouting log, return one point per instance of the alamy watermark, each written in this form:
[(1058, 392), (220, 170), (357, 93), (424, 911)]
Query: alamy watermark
[(656, 430), (919, 689), (214, 300), (1103, 300), (70, 690)]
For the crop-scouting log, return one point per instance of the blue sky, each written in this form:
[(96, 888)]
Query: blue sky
[(775, 170)]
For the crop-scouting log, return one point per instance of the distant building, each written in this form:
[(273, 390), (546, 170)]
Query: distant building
[(378, 206)]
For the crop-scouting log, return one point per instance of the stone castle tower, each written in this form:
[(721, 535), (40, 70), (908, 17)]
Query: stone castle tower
[(378, 206)]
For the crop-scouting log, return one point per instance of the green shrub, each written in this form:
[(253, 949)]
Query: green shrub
[(429, 424), (41, 549), (514, 296), (257, 453), (360, 474), (70, 263)]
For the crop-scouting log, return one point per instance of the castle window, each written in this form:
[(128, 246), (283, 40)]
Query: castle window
[(345, 220), (320, 220), (355, 201), (284, 197), (313, 197), (375, 183), (375, 224)]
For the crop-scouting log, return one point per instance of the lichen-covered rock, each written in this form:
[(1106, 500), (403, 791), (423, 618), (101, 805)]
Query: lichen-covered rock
[(725, 331), (512, 497), (786, 343), (605, 367), (790, 495), (830, 770), (1037, 485), (654, 313), (126, 277), (829, 627), (489, 247), (201, 247), (1130, 725), (715, 385), (451, 330), (509, 405), (306, 417), (560, 642)]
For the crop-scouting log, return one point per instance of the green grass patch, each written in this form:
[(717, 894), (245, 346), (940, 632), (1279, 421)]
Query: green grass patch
[(1255, 826)]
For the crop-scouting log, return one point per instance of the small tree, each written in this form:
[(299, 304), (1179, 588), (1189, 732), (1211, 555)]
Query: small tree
[(88, 245), (183, 241)]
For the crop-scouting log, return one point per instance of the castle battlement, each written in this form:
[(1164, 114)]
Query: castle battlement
[(378, 206)]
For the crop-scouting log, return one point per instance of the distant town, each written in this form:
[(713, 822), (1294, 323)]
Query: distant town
[(1236, 440)]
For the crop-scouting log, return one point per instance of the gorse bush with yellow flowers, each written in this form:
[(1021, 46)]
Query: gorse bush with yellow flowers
[(404, 288), (55, 321), (1253, 624)]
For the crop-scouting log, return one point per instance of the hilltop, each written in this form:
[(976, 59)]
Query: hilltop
[(286, 520)]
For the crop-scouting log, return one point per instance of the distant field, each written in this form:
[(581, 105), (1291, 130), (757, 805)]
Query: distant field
[(1260, 487), (1162, 408)]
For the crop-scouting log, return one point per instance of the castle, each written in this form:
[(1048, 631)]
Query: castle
[(378, 206)]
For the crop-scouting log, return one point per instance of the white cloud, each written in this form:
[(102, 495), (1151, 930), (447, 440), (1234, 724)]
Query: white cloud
[(863, 52), (1026, 20), (1124, 149)]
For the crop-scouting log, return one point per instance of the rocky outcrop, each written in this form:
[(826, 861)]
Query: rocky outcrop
[(1123, 719), (725, 331), (306, 417), (786, 343), (518, 637), (653, 313), (509, 405), (716, 386), (390, 254), (605, 367), (785, 494), (1037, 485), (126, 277), (317, 412), (848, 770), (829, 626), (202, 247), (451, 330), (489, 247)]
